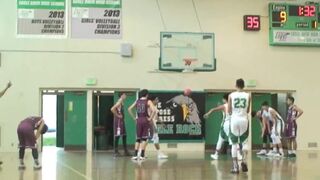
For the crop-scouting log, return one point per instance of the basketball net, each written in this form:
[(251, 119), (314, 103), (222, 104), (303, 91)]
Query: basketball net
[(189, 64)]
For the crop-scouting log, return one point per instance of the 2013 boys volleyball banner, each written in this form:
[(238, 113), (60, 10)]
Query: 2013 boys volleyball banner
[(41, 18), (96, 19), (180, 117)]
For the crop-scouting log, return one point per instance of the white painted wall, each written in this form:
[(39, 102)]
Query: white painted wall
[(239, 54)]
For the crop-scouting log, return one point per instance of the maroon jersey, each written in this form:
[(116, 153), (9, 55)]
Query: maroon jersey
[(142, 108), (291, 127), (291, 114), (27, 138)]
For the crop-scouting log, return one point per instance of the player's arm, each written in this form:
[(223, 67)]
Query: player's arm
[(219, 108), (130, 110), (264, 126), (249, 104), (229, 104), (114, 108), (153, 111), (40, 127), (300, 111), (5, 90)]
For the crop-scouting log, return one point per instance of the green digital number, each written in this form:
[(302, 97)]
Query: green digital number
[(240, 102)]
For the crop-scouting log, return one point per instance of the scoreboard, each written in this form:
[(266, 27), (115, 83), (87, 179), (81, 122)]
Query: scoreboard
[(294, 24)]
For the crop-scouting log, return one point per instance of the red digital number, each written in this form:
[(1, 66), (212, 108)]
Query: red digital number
[(249, 22), (312, 11), (308, 11), (256, 23)]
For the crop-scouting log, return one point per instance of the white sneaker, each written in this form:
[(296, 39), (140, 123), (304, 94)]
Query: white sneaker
[(37, 166), (134, 158), (162, 156), (271, 153), (22, 166), (214, 156), (262, 152)]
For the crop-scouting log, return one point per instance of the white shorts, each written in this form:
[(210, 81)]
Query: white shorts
[(277, 132), (238, 130)]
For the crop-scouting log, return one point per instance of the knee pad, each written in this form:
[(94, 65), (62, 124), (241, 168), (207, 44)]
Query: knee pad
[(144, 139), (245, 147), (138, 140), (155, 139)]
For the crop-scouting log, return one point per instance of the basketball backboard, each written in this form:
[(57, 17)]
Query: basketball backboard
[(187, 51)]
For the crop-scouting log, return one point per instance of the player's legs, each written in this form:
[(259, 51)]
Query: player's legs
[(218, 148), (116, 144), (234, 139), (124, 142)]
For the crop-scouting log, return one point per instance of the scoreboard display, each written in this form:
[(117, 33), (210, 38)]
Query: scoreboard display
[(294, 24)]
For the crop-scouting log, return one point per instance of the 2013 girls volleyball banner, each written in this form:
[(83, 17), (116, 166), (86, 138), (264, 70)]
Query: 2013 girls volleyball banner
[(96, 19), (46, 18), (180, 117)]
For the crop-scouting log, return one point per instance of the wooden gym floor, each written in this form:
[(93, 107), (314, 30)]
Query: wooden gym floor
[(60, 165)]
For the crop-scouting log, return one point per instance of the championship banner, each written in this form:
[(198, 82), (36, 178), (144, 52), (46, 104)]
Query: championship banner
[(43, 18), (96, 19), (180, 117)]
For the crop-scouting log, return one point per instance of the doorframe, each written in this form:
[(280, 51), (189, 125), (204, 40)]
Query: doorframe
[(89, 119), (251, 91)]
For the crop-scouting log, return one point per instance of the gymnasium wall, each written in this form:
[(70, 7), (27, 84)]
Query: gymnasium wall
[(239, 54)]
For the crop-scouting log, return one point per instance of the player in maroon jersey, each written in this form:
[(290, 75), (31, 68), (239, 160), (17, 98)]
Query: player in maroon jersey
[(28, 139), (142, 105), (294, 112), (119, 127)]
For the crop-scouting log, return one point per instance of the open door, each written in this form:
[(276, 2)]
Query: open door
[(257, 100), (75, 125)]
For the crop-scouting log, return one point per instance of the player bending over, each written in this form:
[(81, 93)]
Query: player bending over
[(119, 127), (294, 112), (265, 132), (238, 107), (272, 116), (154, 136), (225, 126), (28, 138), (142, 105)]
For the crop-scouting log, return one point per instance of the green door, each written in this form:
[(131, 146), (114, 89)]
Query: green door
[(129, 122), (257, 100), (75, 125), (213, 123), (60, 120)]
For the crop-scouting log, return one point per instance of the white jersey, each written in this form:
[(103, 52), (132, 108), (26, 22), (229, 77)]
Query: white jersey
[(240, 104), (268, 116)]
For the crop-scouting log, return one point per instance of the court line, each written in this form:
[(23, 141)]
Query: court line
[(75, 171)]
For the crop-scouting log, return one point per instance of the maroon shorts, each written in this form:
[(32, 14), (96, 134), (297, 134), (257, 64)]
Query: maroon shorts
[(26, 136), (291, 129), (143, 128), (119, 127)]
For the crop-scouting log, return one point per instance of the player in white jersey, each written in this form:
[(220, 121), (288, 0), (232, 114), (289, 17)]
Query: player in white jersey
[(154, 136), (271, 115), (238, 106), (225, 126)]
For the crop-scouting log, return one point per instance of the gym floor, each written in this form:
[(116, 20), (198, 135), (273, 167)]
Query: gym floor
[(60, 165)]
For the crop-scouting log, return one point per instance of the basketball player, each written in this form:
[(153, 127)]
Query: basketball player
[(294, 112), (225, 126), (5, 89), (2, 93), (119, 127), (28, 138), (142, 105), (238, 107), (153, 128), (271, 115), (265, 132)]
